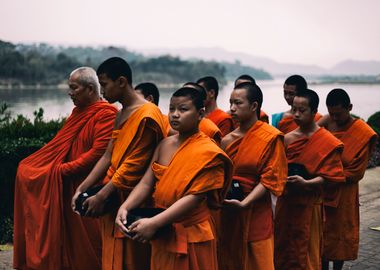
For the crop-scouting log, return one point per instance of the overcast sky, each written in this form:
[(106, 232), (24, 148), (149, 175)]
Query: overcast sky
[(321, 32)]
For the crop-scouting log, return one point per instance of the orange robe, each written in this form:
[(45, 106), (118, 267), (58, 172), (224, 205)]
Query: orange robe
[(47, 233), (264, 117), (191, 244), (341, 229), (223, 120), (133, 147), (246, 240), (298, 224), (287, 124), (210, 129)]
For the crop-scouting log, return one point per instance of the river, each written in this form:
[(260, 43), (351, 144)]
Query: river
[(56, 103)]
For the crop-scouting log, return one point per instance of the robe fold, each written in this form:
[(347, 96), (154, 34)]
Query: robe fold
[(298, 224), (287, 124), (210, 129), (341, 228), (259, 157), (198, 166), (223, 120), (47, 233), (133, 148)]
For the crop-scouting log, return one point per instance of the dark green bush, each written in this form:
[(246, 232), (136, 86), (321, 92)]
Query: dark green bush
[(19, 137), (374, 122)]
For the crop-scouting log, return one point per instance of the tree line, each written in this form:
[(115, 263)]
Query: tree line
[(41, 63)]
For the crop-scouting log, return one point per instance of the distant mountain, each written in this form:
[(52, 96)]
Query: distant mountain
[(349, 67), (354, 67)]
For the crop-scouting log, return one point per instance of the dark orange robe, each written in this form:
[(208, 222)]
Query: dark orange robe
[(47, 233), (287, 124), (133, 147), (341, 229), (198, 166), (223, 120), (264, 117), (259, 157), (298, 224)]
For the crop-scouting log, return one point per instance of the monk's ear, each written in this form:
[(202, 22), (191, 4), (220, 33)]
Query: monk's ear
[(254, 106), (123, 81), (211, 94), (201, 113), (350, 107), (150, 98), (91, 88)]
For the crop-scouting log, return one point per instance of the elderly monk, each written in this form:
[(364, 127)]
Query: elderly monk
[(260, 168), (47, 234), (188, 175), (285, 121), (222, 119), (314, 157), (138, 130), (246, 78), (341, 229)]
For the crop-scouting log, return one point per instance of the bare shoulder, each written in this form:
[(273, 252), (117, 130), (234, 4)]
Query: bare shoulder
[(292, 136), (324, 121), (229, 138)]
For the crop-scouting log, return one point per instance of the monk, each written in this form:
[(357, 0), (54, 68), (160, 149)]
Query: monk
[(222, 119), (188, 175), (316, 158), (47, 234), (341, 229), (246, 78), (285, 121), (260, 168), (137, 131), (150, 92)]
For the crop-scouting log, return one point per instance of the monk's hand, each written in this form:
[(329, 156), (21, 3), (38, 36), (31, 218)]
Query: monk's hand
[(234, 203), (121, 220), (74, 199), (143, 229), (297, 180), (94, 206)]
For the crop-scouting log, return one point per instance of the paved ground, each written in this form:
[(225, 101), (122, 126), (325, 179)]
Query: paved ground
[(369, 252)]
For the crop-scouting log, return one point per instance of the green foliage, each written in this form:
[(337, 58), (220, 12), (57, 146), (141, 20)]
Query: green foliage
[(48, 65), (19, 138), (236, 69), (374, 122)]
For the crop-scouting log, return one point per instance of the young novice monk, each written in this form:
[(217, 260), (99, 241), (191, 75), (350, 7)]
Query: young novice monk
[(298, 224), (257, 150), (189, 173), (341, 229)]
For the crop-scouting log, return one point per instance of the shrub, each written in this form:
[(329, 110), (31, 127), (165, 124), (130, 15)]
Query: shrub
[(19, 137)]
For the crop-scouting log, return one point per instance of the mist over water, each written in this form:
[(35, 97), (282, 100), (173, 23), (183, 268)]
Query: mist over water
[(56, 102)]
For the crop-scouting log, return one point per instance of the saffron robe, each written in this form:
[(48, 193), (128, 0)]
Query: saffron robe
[(298, 224), (287, 124), (47, 233), (223, 120), (259, 157), (341, 228), (209, 128), (198, 166), (133, 148)]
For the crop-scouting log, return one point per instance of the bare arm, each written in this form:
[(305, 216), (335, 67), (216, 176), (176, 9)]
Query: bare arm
[(256, 193)]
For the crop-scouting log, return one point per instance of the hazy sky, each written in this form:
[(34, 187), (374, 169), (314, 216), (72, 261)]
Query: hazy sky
[(321, 32)]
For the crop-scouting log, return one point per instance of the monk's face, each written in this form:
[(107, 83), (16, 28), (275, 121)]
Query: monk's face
[(340, 115), (79, 94), (183, 115), (289, 93), (240, 107), (109, 88), (302, 112)]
